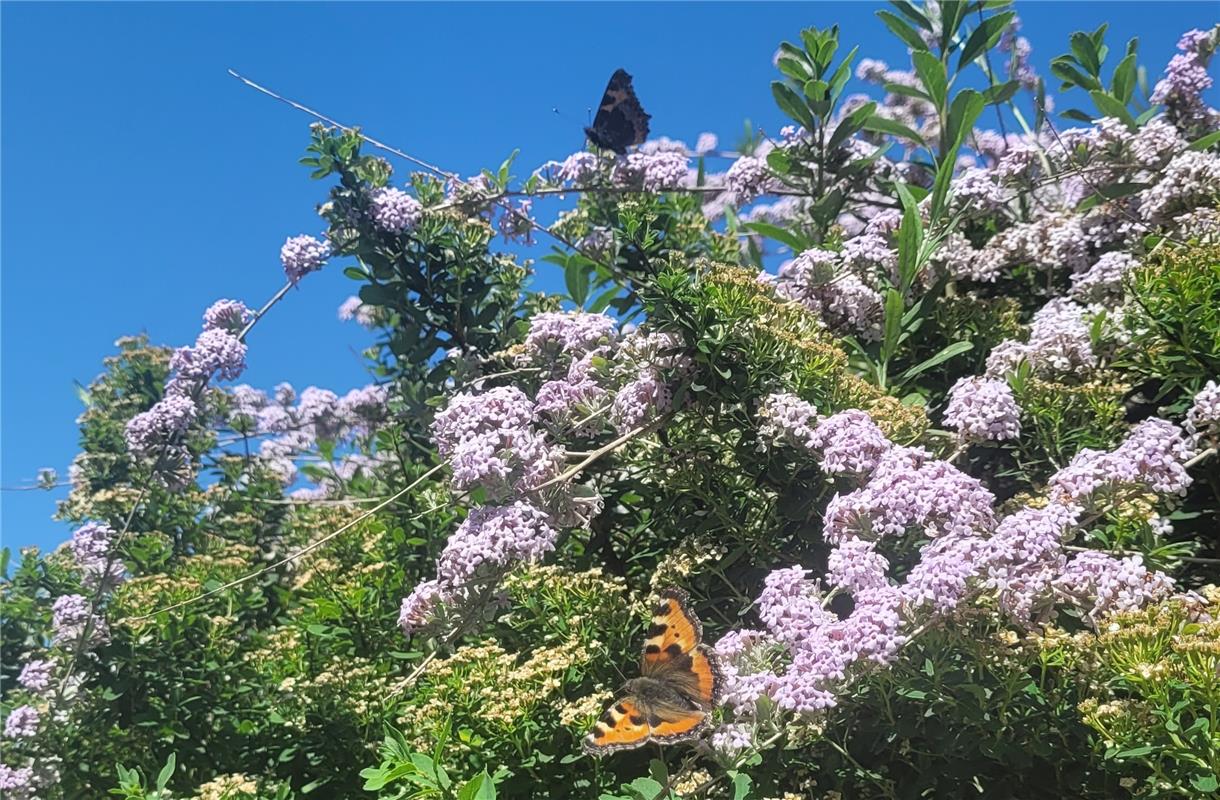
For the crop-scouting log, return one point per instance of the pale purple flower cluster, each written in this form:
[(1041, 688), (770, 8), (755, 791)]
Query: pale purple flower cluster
[(910, 489), (1103, 282), (1060, 342), (977, 191), (1019, 50), (1186, 78), (215, 352), (1150, 459), (36, 675), (732, 739), (846, 304), (1203, 418), (653, 172), (302, 255), (92, 547), (17, 783), (568, 333), (469, 416), (393, 210), (945, 573), (229, 316), (22, 722), (747, 179), (706, 143), (1102, 584), (515, 223), (491, 541), (640, 400), (1192, 179), (151, 433), (564, 401), (983, 409), (849, 443), (353, 308), (784, 417), (870, 251), (1026, 555), (855, 565), (579, 168), (71, 615)]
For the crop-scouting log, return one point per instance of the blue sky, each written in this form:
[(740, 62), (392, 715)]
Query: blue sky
[(140, 182)]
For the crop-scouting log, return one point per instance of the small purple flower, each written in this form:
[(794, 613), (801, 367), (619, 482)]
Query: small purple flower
[(161, 426), (568, 333), (1103, 584), (226, 315), (706, 143), (22, 722), (747, 179), (215, 352), (91, 545), (849, 442), (302, 255), (71, 615), (1103, 282), (393, 210), (1203, 418), (419, 607), (655, 172), (640, 400), (579, 168), (855, 565), (784, 417), (731, 739), (17, 784), (982, 409), (36, 675)]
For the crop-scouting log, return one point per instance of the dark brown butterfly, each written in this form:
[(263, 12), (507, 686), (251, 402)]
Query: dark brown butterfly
[(679, 686), (621, 121)]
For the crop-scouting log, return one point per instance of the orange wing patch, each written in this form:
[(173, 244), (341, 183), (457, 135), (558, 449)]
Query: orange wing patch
[(674, 630), (707, 672), (623, 725), (679, 729)]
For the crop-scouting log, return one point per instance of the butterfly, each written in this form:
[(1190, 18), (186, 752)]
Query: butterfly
[(621, 121), (680, 683)]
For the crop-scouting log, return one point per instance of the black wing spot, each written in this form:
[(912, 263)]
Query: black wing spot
[(684, 660), (637, 719), (674, 649), (600, 731), (654, 720), (620, 708), (656, 629), (652, 649)]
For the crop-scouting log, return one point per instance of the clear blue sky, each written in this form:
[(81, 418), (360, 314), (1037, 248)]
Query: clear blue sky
[(141, 182)]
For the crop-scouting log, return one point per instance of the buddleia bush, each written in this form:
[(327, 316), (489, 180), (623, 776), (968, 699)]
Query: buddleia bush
[(921, 416)]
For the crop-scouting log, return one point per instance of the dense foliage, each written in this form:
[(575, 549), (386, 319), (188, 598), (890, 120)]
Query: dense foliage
[(922, 415)]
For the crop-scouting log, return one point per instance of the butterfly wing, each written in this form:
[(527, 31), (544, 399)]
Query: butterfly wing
[(674, 653), (621, 121), (633, 721), (623, 726)]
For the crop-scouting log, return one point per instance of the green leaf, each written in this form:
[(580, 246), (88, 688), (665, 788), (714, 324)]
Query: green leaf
[(965, 110), (903, 31), (1205, 783), (791, 104), (779, 161), (576, 277), (1204, 142), (881, 124), (793, 240), (1066, 71), (850, 125), (912, 13), (1122, 84), (910, 239), (167, 772), (894, 309), (1000, 92), (1132, 752), (842, 74), (932, 74), (1076, 114), (955, 349), (984, 38), (797, 69), (1085, 50), (1110, 107), (480, 787), (741, 784)]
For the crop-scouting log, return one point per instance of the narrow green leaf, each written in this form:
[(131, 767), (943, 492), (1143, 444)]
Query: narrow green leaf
[(1000, 92), (1085, 50), (984, 37), (1204, 142), (892, 323), (791, 104), (955, 349), (932, 74), (885, 125), (850, 125), (1122, 84), (790, 238), (903, 31), (1109, 107), (167, 772)]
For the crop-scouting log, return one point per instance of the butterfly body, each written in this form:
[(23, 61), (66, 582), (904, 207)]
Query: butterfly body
[(621, 121), (680, 684)]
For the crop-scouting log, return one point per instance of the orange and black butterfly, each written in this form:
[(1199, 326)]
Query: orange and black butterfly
[(680, 683), (621, 121)]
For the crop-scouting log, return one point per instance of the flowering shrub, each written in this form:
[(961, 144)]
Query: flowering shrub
[(923, 416)]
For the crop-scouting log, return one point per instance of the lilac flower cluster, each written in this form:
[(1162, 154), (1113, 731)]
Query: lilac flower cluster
[(92, 546), (160, 427), (1203, 418), (981, 409), (747, 179), (22, 722), (1186, 78), (1103, 282), (215, 352), (71, 616), (1059, 343), (1190, 180), (654, 172), (302, 255), (515, 223), (487, 544), (846, 304), (393, 210), (572, 334), (1103, 584), (36, 675), (1150, 459), (229, 316), (17, 783), (640, 400), (353, 308)]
